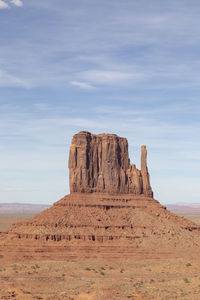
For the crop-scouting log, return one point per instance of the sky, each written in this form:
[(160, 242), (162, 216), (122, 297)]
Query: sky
[(127, 67)]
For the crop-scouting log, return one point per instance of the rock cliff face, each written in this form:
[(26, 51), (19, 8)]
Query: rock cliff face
[(100, 163), (109, 212)]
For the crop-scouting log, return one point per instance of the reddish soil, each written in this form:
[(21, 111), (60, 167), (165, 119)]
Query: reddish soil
[(120, 247), (101, 279)]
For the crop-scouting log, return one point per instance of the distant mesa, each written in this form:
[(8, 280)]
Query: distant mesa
[(100, 163)]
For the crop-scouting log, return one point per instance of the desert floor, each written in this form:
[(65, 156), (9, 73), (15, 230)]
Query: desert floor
[(8, 218), (174, 278), (195, 217), (170, 278)]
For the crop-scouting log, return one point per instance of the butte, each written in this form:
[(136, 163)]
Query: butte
[(110, 211)]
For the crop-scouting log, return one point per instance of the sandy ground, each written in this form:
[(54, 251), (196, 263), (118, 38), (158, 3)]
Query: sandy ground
[(174, 278), (7, 219), (171, 278), (195, 217)]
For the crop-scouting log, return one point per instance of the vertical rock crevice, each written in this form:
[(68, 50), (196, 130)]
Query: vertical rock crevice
[(100, 163)]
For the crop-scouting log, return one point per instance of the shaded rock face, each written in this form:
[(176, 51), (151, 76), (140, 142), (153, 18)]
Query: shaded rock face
[(100, 163)]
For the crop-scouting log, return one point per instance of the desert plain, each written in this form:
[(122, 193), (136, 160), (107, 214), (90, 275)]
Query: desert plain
[(100, 278)]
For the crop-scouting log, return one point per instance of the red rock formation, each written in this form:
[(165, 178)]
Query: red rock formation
[(100, 163), (85, 225), (110, 211), (144, 171)]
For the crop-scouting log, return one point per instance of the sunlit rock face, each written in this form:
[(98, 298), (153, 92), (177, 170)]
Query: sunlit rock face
[(110, 212), (100, 163)]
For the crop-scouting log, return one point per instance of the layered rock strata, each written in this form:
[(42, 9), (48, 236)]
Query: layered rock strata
[(110, 211), (81, 224), (100, 163)]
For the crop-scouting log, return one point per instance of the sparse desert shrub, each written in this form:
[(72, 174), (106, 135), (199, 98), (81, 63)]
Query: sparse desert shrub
[(87, 269), (138, 284), (186, 280), (94, 270), (122, 271), (151, 281), (102, 273), (183, 294), (188, 265), (37, 266)]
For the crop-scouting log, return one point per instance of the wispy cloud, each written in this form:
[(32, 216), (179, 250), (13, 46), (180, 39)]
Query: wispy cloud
[(8, 80), (109, 77), (3, 5), (121, 55), (93, 78), (18, 3), (82, 85)]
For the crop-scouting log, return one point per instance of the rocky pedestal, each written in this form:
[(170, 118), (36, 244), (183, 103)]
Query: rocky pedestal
[(110, 212), (100, 163)]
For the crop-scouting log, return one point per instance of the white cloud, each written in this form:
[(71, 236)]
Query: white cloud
[(8, 80), (82, 85), (18, 3), (109, 77), (3, 5), (91, 78)]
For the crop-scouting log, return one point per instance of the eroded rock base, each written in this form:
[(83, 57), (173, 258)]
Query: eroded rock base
[(95, 224)]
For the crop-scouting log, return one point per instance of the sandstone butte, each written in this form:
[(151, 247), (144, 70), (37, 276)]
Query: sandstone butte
[(110, 212)]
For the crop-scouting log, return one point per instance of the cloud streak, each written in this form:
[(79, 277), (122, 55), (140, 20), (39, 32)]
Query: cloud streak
[(17, 3), (107, 77), (3, 5), (82, 85), (9, 80)]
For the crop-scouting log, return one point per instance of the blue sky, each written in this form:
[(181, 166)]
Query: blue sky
[(126, 67)]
